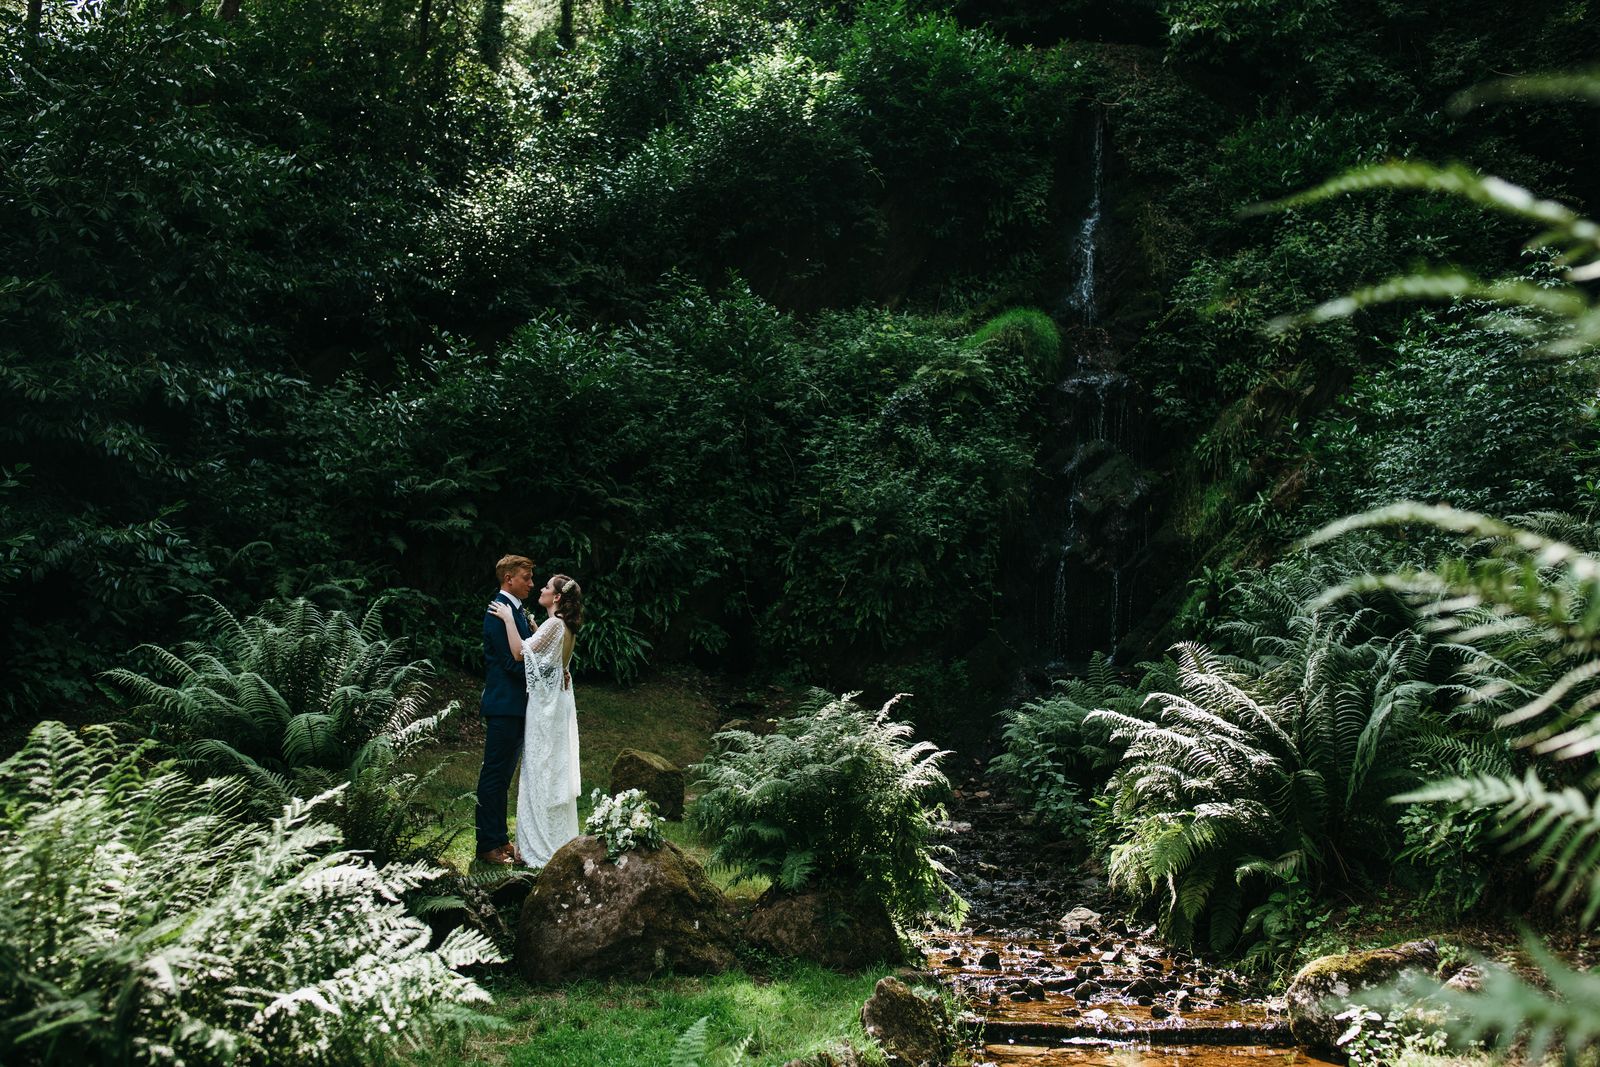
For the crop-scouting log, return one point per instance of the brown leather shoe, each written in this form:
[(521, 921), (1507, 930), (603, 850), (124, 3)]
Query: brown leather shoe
[(503, 856)]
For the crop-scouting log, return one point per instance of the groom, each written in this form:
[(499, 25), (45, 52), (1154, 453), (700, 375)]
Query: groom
[(504, 704)]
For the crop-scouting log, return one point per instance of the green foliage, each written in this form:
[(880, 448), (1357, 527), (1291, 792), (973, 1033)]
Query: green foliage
[(1449, 854), (829, 156), (1527, 603), (837, 796), (295, 702), (200, 216), (1434, 424), (1263, 772), (1031, 332), (1052, 762), (141, 922), (717, 463), (1555, 1010)]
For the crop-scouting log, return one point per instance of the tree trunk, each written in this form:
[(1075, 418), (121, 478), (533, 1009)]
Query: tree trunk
[(229, 10), (424, 24), (35, 19), (564, 31), (492, 32)]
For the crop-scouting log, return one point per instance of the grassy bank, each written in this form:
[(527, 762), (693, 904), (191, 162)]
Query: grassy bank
[(794, 1011), (786, 1010)]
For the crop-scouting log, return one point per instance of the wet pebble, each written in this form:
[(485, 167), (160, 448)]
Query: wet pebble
[(1158, 1012), (990, 960), (954, 961)]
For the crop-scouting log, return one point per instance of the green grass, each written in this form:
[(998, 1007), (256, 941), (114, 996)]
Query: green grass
[(799, 1010)]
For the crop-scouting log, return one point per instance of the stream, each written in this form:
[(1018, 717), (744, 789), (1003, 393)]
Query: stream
[(1057, 979)]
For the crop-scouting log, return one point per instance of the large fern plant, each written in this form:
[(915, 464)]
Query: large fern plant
[(142, 922), (1529, 605), (1262, 772), (295, 702), (836, 796)]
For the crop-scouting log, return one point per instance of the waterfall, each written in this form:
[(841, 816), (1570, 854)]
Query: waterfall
[(1061, 606), (1081, 298), (1116, 606)]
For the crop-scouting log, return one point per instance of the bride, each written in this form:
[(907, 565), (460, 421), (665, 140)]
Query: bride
[(547, 798)]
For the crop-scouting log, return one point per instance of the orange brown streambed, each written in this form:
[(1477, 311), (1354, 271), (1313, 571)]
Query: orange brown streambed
[(1105, 1055), (1103, 996)]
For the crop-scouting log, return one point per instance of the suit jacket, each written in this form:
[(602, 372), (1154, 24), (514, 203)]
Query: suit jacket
[(505, 689)]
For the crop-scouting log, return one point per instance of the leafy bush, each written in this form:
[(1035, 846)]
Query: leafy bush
[(1259, 774), (835, 796), (1435, 424), (295, 702), (719, 462), (142, 922), (1052, 762), (204, 214), (1526, 599), (1030, 331)]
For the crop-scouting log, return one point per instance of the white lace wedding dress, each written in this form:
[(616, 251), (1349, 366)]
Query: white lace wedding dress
[(547, 798)]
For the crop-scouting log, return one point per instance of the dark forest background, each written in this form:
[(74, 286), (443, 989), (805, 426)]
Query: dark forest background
[(725, 309)]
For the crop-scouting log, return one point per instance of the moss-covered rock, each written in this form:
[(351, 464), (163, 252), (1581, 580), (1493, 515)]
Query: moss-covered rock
[(659, 778), (649, 911), (1320, 989), (833, 927)]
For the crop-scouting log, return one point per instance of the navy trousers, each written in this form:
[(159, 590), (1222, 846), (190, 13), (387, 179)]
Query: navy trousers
[(502, 745)]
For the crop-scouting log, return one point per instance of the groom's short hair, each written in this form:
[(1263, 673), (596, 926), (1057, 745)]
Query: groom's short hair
[(510, 565)]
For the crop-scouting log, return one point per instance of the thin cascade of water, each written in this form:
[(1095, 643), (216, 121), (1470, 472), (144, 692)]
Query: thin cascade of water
[(1116, 605), (1082, 297), (1061, 608)]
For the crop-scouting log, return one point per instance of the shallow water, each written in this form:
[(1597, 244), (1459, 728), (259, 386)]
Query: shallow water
[(1134, 1055)]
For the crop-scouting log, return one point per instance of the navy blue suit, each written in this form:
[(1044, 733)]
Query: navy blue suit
[(504, 706)]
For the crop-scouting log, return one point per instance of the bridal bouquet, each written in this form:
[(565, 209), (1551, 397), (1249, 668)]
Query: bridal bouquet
[(625, 821)]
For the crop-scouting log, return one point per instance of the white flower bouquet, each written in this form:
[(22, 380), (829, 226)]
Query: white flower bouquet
[(626, 821)]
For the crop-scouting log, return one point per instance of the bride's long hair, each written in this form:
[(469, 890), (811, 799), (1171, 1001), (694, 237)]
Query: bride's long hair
[(569, 608)]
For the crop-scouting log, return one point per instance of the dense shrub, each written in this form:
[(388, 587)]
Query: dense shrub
[(1052, 761), (1435, 424), (835, 796), (828, 156), (747, 486), (142, 922), (200, 215), (1525, 603)]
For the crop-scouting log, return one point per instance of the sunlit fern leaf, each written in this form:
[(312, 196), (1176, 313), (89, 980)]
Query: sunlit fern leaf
[(1561, 826), (1456, 180), (693, 1045), (1531, 87), (1564, 305)]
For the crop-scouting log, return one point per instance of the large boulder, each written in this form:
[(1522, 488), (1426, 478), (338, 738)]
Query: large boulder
[(656, 775), (912, 1029), (1316, 994), (833, 927), (589, 917)]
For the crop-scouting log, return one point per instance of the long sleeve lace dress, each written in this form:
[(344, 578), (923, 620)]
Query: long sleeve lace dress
[(547, 798)]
